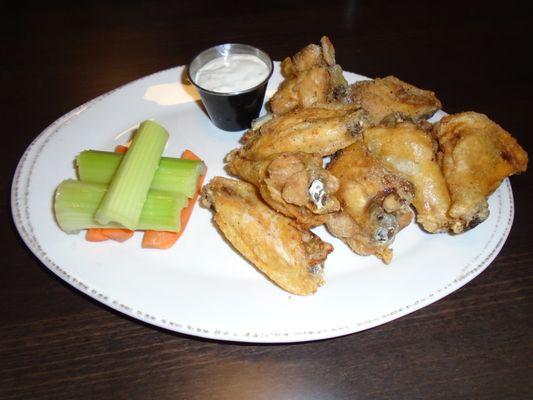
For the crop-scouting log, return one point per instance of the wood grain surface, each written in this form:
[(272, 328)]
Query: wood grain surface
[(56, 343)]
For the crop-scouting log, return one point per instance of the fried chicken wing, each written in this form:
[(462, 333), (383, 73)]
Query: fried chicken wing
[(387, 96), (317, 130), (311, 76), (295, 184), (408, 150), (291, 257), (375, 202), (477, 154)]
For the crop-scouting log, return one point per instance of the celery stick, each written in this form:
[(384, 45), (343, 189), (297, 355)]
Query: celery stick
[(124, 200), (173, 175), (76, 202)]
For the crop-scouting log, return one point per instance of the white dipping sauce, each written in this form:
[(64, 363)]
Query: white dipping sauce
[(232, 73)]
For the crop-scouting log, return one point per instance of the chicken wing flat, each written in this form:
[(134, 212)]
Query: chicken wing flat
[(387, 96), (291, 257), (375, 202), (316, 130), (477, 154), (409, 151), (311, 76), (295, 184)]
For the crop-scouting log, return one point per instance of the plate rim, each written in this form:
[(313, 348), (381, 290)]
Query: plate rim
[(19, 199)]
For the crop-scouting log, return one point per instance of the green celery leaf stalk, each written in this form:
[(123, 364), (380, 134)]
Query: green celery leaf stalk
[(124, 200), (174, 175), (76, 202)]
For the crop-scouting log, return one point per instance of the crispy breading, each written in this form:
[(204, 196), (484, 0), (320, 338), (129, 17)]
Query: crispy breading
[(286, 181), (375, 202), (407, 150), (291, 257), (476, 155), (382, 97), (311, 76), (316, 130)]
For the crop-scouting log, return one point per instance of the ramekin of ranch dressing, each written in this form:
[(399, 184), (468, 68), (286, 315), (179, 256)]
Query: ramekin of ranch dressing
[(232, 73), (231, 79)]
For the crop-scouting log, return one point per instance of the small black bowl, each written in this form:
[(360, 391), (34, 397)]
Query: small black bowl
[(231, 111)]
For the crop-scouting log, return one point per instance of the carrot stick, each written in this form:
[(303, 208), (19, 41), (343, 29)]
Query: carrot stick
[(117, 234), (187, 211), (102, 234), (95, 235), (121, 149), (164, 239), (159, 239)]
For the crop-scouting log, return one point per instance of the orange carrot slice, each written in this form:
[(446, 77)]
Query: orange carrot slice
[(159, 239), (121, 149), (102, 234), (95, 235), (164, 239), (117, 234)]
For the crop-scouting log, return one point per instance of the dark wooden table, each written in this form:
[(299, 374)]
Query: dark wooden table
[(57, 343)]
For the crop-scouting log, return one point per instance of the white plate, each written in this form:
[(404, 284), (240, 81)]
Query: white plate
[(201, 286)]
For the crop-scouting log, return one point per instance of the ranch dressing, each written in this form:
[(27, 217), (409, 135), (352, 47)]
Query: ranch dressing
[(232, 73)]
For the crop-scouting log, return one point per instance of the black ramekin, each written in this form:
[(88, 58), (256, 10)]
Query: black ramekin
[(231, 111)]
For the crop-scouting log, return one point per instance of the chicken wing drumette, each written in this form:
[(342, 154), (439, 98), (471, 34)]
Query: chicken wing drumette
[(476, 155), (311, 77), (291, 257), (375, 202), (295, 184)]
